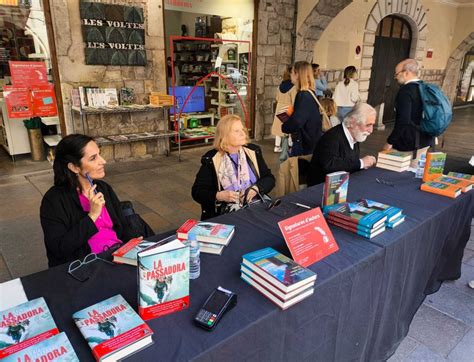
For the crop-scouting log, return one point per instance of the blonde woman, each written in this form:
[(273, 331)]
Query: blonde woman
[(346, 94), (304, 124), (285, 97), (231, 174), (329, 106)]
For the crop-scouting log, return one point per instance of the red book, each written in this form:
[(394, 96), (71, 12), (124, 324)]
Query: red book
[(308, 237), (183, 230)]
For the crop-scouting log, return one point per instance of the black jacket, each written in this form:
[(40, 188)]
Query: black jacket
[(67, 227), (206, 184), (305, 120), (409, 110), (333, 153)]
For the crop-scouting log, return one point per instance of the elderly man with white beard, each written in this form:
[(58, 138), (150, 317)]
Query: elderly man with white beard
[(338, 148)]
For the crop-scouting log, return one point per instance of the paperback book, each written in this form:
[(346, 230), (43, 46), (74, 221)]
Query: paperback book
[(465, 185), (366, 233), (463, 176), (358, 214), (391, 212), (113, 329), (434, 165), (442, 189), (55, 348), (210, 248), (127, 254), (25, 325), (396, 222), (395, 155), (285, 113), (279, 270), (163, 279), (207, 232), (335, 188)]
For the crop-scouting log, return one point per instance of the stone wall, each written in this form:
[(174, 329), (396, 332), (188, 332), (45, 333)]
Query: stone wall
[(74, 73), (274, 54)]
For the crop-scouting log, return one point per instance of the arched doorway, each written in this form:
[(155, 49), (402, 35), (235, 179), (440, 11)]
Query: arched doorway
[(392, 44), (465, 89)]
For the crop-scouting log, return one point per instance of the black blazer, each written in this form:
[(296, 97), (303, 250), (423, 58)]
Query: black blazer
[(305, 119), (333, 153), (206, 185), (67, 227), (409, 110)]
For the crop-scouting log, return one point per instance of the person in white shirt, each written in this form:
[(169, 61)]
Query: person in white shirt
[(346, 94)]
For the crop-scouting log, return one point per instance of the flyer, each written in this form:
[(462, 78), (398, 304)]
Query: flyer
[(28, 74), (44, 101), (18, 102)]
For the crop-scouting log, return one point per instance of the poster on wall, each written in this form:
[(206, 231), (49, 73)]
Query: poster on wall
[(28, 74), (43, 100), (113, 34), (18, 102)]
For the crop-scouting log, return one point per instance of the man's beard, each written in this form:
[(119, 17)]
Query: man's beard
[(360, 136)]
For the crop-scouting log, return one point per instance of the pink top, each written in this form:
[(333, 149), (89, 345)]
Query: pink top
[(106, 235)]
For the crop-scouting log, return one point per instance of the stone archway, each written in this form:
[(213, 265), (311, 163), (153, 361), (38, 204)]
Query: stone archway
[(453, 65), (410, 10)]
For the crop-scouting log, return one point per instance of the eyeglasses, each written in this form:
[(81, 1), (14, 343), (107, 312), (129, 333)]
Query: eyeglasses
[(273, 204), (383, 182), (397, 73), (76, 264)]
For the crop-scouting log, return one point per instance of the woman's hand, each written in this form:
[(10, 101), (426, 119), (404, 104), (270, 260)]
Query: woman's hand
[(228, 196), (251, 194), (96, 202)]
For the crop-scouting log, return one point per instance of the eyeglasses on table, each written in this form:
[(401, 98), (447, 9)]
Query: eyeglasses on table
[(77, 264)]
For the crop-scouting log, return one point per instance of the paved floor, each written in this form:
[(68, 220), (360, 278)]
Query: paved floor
[(443, 328)]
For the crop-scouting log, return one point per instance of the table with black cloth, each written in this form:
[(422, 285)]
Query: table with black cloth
[(365, 296)]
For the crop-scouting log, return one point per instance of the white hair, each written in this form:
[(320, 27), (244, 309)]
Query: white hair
[(410, 65), (359, 114)]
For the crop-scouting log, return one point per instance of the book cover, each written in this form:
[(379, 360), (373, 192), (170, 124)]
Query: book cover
[(442, 189), (112, 328), (395, 222), (274, 290), (357, 230), (272, 297), (335, 188), (308, 237), (434, 165), (163, 280), (75, 98), (127, 254), (24, 325), (207, 232), (127, 96), (463, 176), (359, 215), (285, 113), (395, 155), (278, 269), (465, 185), (110, 97), (334, 219), (391, 212), (56, 348)]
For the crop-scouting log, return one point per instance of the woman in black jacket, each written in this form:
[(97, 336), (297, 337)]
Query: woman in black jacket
[(79, 216), (305, 122), (231, 174)]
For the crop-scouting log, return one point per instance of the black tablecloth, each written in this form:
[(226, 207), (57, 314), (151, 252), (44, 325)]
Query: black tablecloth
[(365, 296)]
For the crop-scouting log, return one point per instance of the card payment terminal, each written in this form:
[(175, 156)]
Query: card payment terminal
[(217, 304)]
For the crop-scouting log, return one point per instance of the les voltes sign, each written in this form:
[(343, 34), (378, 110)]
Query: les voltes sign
[(113, 34)]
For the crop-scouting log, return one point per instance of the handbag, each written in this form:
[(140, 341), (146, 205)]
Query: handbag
[(228, 207), (325, 122)]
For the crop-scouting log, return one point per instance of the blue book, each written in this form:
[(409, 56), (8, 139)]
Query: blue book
[(24, 325), (391, 212), (396, 222), (113, 329), (278, 269), (56, 348), (358, 214)]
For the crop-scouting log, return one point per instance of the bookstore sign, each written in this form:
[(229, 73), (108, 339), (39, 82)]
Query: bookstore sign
[(113, 34)]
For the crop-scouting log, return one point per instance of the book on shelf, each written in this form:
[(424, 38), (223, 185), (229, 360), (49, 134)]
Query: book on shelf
[(56, 348), (465, 185), (277, 269), (442, 189), (112, 329), (267, 293), (110, 97), (207, 232), (392, 212), (127, 96), (357, 229), (163, 279), (285, 113), (358, 214), (394, 223), (127, 254), (395, 155), (82, 97), (118, 138), (335, 188), (434, 165), (75, 98), (463, 176), (25, 325)]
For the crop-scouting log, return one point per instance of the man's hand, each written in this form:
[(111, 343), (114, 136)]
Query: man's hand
[(387, 147), (369, 161)]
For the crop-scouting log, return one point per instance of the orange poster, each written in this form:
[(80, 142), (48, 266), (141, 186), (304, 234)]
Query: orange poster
[(18, 102), (44, 101)]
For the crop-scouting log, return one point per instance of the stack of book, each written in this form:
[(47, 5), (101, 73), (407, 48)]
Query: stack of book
[(212, 237), (277, 277), (394, 214), (364, 221), (394, 160), (451, 185), (29, 333)]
